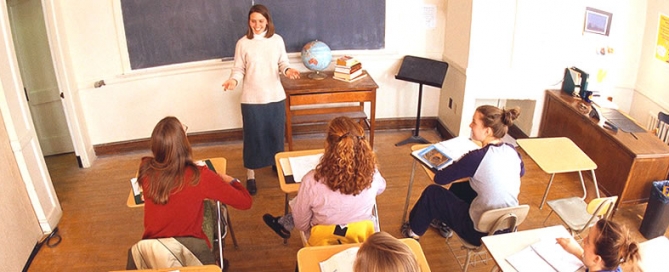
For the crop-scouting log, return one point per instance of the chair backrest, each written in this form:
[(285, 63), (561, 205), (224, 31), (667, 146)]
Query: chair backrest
[(602, 206), (662, 128), (503, 219), (356, 232)]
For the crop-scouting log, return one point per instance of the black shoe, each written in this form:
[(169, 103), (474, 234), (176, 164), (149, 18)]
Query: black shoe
[(251, 186), (273, 223)]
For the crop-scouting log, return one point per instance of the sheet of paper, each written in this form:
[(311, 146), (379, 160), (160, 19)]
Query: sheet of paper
[(556, 256), (528, 260), (135, 186), (285, 166), (340, 262), (301, 165)]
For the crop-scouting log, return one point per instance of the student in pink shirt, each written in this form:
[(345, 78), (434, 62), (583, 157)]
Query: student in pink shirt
[(343, 187)]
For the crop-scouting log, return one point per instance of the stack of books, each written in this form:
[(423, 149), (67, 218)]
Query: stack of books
[(348, 69)]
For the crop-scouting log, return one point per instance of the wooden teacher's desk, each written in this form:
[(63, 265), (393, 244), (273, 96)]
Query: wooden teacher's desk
[(310, 92), (627, 163)]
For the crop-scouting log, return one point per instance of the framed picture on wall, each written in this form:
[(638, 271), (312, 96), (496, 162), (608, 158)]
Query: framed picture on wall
[(597, 21)]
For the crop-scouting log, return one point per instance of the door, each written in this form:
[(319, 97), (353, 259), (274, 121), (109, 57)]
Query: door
[(22, 136), (38, 76)]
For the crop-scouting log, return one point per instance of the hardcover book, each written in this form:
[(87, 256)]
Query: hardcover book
[(442, 154)]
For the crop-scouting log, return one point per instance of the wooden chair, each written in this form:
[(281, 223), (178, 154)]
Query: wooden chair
[(578, 215), (495, 221)]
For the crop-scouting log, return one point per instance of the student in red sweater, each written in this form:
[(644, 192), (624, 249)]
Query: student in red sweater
[(175, 187)]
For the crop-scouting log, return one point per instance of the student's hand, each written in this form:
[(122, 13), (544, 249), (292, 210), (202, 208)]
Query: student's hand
[(570, 245), (292, 73), (229, 84), (226, 178)]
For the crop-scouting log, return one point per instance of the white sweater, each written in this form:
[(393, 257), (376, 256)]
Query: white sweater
[(258, 62)]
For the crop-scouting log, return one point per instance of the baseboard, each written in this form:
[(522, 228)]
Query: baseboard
[(219, 136)]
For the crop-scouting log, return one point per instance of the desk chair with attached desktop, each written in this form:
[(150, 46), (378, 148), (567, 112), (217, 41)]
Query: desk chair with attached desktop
[(308, 258), (213, 209), (570, 158), (289, 185)]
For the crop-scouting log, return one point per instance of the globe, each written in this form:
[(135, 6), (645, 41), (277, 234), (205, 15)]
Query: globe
[(316, 56)]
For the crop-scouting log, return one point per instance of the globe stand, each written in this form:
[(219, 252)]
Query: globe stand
[(317, 75)]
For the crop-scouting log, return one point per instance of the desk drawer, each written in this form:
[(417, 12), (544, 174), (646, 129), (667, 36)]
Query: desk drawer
[(321, 98)]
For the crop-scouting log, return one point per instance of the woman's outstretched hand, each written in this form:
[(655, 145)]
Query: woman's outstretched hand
[(229, 84)]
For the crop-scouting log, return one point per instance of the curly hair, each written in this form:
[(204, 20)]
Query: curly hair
[(172, 155), (348, 163)]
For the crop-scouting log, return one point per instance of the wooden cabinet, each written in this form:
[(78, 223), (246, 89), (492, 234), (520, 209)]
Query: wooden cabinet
[(627, 164)]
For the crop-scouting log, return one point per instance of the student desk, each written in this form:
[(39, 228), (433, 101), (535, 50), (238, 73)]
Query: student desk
[(653, 253), (289, 188), (504, 245), (310, 92), (308, 258), (559, 155), (204, 268), (628, 164)]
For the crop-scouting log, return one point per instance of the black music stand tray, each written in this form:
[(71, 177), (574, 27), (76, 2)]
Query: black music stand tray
[(422, 71)]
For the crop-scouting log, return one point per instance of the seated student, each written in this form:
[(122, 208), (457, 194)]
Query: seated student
[(343, 187), (606, 247), (175, 187), (494, 171), (382, 252)]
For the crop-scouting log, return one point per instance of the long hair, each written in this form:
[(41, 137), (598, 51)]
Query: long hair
[(264, 11), (499, 120), (382, 252), (172, 155), (614, 245), (348, 163)]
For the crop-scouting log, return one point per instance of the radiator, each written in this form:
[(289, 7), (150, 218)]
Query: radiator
[(661, 129)]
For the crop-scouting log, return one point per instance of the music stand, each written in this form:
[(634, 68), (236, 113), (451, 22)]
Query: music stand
[(422, 71)]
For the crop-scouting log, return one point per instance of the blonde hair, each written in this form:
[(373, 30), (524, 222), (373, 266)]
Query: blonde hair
[(382, 252)]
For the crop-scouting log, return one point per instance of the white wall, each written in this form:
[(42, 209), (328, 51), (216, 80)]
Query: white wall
[(133, 101), (652, 86), (519, 48)]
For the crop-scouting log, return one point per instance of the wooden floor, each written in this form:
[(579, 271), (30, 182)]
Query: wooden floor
[(97, 227)]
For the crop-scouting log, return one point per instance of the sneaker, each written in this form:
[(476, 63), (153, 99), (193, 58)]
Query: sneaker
[(444, 230), (251, 186), (407, 233)]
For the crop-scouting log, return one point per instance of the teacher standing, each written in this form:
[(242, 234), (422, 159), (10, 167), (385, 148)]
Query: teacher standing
[(260, 57)]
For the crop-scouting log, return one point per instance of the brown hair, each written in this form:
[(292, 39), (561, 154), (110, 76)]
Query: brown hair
[(614, 245), (499, 120), (264, 11), (172, 155), (348, 163), (382, 252)]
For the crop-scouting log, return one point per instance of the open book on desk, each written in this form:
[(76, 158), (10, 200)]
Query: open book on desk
[(294, 168), (340, 262), (442, 154), (545, 255)]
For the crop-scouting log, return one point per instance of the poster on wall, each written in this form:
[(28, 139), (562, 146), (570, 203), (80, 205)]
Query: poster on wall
[(662, 47)]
